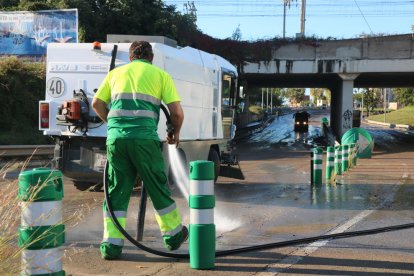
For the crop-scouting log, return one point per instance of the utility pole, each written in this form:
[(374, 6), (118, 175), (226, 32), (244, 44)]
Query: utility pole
[(284, 18), (271, 101), (362, 106), (262, 98), (267, 99), (385, 105), (302, 18)]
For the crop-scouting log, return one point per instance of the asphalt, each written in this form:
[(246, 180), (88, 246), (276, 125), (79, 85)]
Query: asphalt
[(275, 202)]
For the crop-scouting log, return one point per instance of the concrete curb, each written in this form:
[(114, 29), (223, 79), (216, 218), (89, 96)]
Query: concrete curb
[(390, 125)]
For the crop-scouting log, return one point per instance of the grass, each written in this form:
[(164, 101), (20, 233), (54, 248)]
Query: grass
[(10, 220), (10, 216), (403, 116)]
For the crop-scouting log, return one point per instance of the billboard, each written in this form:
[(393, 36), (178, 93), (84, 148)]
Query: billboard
[(28, 33)]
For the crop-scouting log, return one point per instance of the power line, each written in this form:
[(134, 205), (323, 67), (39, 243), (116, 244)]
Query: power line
[(267, 3), (366, 21), (308, 15), (324, 8), (254, 5)]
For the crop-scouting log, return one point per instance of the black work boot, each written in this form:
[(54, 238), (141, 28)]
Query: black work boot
[(184, 237)]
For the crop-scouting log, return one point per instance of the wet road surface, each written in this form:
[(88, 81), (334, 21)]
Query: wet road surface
[(276, 203)]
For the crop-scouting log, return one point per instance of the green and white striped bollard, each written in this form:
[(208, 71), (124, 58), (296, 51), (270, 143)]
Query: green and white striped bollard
[(356, 151), (345, 160), (338, 160), (317, 166), (202, 228), (350, 155), (330, 158), (42, 232)]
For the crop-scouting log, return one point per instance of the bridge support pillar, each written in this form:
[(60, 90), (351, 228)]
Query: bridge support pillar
[(342, 104)]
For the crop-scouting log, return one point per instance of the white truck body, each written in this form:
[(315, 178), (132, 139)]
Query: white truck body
[(199, 77)]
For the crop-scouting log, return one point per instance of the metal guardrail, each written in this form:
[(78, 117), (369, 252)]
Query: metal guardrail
[(26, 150)]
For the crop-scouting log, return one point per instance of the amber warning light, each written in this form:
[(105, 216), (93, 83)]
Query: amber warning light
[(96, 45), (44, 115)]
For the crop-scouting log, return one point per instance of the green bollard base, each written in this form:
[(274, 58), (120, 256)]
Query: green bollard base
[(59, 273), (202, 246), (317, 178), (345, 166)]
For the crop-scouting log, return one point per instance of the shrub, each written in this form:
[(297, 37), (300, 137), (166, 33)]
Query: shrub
[(22, 85), (255, 109)]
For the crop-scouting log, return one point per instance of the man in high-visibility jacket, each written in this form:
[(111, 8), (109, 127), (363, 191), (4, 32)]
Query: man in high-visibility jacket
[(134, 92)]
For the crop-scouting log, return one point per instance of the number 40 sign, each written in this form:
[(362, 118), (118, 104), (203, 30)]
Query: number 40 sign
[(55, 87)]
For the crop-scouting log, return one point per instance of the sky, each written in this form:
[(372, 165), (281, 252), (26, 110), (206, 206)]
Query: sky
[(263, 19)]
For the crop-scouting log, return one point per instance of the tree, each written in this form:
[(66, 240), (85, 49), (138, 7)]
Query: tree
[(8, 4), (255, 96), (28, 5), (357, 95), (404, 96), (101, 17), (320, 94), (237, 35), (277, 96), (295, 95), (372, 98), (191, 10)]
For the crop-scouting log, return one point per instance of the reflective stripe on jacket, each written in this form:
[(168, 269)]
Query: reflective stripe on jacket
[(135, 92)]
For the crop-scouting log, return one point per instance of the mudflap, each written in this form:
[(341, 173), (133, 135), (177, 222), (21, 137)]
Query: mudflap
[(230, 166), (231, 172)]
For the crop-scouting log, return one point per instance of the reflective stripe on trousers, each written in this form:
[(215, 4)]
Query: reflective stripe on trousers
[(169, 220), (111, 233)]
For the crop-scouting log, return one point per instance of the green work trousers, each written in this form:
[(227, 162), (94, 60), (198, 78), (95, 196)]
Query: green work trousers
[(128, 158)]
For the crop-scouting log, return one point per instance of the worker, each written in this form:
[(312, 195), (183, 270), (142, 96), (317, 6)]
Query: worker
[(134, 92)]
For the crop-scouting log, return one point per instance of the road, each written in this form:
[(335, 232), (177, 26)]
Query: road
[(276, 203)]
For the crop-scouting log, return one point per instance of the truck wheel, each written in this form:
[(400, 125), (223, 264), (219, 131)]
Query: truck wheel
[(84, 185), (214, 156)]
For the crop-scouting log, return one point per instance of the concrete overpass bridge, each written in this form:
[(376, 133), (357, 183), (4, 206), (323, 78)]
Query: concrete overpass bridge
[(339, 65)]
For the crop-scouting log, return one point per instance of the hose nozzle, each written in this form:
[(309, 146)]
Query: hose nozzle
[(170, 130)]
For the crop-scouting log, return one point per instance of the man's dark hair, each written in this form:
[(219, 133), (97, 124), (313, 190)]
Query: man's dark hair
[(140, 50)]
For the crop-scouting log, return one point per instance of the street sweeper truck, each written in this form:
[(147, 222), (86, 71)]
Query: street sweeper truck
[(207, 85)]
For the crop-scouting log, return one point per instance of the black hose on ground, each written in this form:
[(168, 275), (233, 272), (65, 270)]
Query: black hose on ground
[(243, 249), (250, 248)]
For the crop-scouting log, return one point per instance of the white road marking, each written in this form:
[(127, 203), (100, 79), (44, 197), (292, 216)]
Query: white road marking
[(297, 255)]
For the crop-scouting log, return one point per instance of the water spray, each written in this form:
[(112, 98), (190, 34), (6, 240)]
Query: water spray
[(178, 170), (180, 173)]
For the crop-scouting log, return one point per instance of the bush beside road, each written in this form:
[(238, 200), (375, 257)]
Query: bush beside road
[(22, 86)]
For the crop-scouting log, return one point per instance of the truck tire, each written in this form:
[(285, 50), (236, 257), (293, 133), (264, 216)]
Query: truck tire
[(214, 157), (85, 185)]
